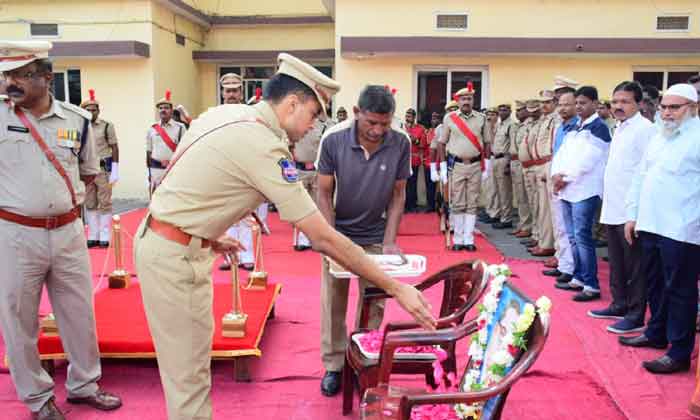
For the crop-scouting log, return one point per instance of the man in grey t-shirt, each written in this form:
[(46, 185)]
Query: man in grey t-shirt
[(366, 165)]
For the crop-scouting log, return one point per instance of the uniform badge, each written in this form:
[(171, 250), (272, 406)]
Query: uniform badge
[(289, 170)]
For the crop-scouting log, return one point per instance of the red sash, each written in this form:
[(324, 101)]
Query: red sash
[(166, 138), (464, 128), (49, 154)]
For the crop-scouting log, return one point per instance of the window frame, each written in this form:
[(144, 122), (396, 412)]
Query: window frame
[(452, 13)]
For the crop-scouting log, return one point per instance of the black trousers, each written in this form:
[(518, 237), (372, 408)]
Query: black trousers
[(672, 270), (628, 285), (412, 190), (429, 189)]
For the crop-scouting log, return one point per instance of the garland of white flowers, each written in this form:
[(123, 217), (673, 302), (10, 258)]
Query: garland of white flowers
[(514, 342)]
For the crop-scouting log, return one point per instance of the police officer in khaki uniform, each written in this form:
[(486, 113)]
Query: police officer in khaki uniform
[(305, 153), (209, 187), (162, 140), (489, 192), (517, 175), (98, 198), (47, 156), (232, 94), (543, 156), (462, 140), (505, 132), (527, 159)]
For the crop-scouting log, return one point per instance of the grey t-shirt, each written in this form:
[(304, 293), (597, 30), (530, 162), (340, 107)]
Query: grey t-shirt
[(364, 187)]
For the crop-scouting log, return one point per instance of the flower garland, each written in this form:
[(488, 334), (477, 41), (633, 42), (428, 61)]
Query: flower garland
[(474, 380)]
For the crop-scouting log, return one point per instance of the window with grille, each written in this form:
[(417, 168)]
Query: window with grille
[(43, 29), (672, 23), (451, 21), (180, 39)]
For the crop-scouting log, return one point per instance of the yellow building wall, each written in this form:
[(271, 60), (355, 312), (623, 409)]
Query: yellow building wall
[(514, 18), (509, 77), (173, 66), (259, 7), (271, 37), (208, 85), (78, 20), (122, 102)]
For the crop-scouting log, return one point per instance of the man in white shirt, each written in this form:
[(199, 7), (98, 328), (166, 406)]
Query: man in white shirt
[(577, 177), (663, 213), (627, 281)]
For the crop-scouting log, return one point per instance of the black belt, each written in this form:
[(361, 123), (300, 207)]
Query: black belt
[(155, 164), (305, 166), (500, 155), (470, 160)]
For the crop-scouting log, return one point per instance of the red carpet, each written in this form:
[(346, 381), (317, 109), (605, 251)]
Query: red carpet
[(582, 373)]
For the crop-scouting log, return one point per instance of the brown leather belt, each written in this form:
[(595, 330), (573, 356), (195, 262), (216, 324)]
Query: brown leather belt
[(49, 223), (172, 233), (537, 162)]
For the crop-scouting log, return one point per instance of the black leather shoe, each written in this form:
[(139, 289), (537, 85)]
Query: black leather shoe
[(586, 296), (503, 225), (457, 247), (247, 266), (568, 286), (552, 273), (93, 244), (104, 244), (225, 267), (665, 364), (640, 340), (470, 248), (48, 411), (301, 247), (330, 384), (564, 278), (101, 400)]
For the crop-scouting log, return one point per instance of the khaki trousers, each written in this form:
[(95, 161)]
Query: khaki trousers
[(334, 305), (531, 189), (177, 292), (32, 258), (544, 208), (504, 189), (518, 179), (156, 177), (98, 194), (489, 194), (465, 187)]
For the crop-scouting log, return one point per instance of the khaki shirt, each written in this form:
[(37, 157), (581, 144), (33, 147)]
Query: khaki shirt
[(306, 149), (457, 143), (520, 141), (533, 128), (29, 183), (545, 136), (156, 145), (105, 137), (214, 185), (505, 131)]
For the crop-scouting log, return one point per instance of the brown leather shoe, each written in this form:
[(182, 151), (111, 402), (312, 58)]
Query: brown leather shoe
[(101, 400), (543, 252), (522, 234), (48, 411), (534, 249), (515, 232), (551, 263)]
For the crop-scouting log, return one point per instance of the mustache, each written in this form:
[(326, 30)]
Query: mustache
[(11, 89)]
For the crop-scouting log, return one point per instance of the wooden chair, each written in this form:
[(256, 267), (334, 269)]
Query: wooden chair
[(464, 283), (388, 402)]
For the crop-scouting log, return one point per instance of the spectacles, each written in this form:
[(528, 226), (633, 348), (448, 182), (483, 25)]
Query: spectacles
[(20, 76), (673, 107)]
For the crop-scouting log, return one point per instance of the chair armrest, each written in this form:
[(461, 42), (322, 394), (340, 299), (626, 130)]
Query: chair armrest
[(441, 323), (396, 339)]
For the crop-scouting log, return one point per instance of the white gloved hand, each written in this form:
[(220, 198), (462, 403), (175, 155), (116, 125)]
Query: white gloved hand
[(443, 172), (114, 174), (434, 175), (487, 169)]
